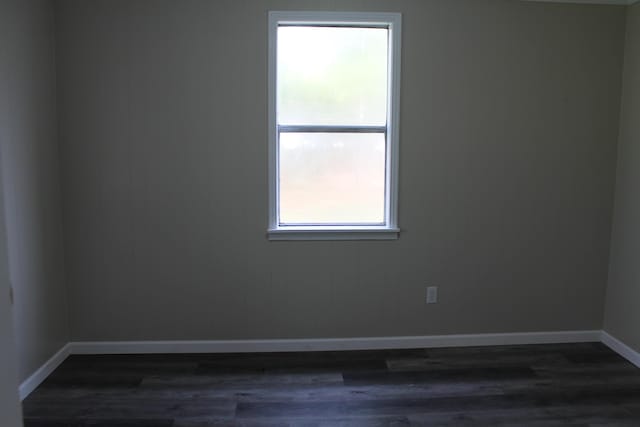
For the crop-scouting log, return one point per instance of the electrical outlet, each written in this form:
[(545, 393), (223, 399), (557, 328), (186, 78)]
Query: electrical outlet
[(432, 294)]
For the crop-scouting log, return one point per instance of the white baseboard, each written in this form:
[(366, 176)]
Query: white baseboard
[(373, 343), (607, 2), (43, 372), (621, 348), (328, 344)]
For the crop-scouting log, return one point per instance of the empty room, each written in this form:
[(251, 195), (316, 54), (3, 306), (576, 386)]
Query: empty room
[(319, 213)]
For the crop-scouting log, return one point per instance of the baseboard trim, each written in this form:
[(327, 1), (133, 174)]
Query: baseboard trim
[(43, 372), (621, 348), (373, 343), (276, 345)]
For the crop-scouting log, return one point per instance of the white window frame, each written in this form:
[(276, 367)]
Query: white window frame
[(389, 230)]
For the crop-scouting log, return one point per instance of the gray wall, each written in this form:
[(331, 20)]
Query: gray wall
[(30, 174), (623, 293), (508, 145), (10, 409)]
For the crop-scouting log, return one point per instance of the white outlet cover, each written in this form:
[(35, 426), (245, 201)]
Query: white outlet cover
[(432, 294)]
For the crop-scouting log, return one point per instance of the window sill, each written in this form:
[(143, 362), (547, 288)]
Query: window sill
[(333, 233)]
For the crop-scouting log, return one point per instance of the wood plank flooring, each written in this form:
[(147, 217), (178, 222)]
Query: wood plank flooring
[(533, 385)]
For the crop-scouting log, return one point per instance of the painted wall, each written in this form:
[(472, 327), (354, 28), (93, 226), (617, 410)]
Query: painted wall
[(30, 174), (508, 145), (10, 408), (623, 292)]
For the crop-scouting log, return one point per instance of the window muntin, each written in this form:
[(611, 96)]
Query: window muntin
[(333, 136)]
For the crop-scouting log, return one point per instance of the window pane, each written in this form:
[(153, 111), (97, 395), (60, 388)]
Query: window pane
[(332, 76), (331, 178)]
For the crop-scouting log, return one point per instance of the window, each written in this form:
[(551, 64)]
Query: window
[(333, 125)]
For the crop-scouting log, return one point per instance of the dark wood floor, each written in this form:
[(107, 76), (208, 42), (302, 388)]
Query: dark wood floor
[(539, 385)]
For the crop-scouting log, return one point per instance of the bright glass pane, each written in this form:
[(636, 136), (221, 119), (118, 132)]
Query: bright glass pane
[(332, 76), (332, 178)]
